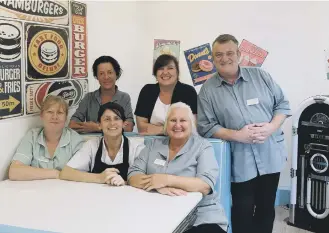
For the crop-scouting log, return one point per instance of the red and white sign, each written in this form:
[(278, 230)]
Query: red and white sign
[(79, 40), (251, 55)]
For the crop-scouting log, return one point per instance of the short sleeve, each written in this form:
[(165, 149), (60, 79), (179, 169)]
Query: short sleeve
[(128, 109), (77, 141), (207, 168), (81, 112), (24, 151), (140, 163), (82, 159), (136, 148), (281, 103), (207, 124), (143, 106)]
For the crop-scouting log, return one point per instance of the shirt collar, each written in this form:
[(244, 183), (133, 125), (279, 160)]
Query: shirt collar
[(105, 149), (114, 98), (164, 150), (241, 75), (64, 140)]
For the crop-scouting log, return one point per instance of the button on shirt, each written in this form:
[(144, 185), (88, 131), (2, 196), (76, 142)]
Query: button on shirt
[(32, 150), (90, 104), (254, 98), (195, 159), (84, 159)]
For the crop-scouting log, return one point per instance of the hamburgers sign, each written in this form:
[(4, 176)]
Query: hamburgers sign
[(47, 11)]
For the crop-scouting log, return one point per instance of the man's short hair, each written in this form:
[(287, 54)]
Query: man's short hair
[(224, 38)]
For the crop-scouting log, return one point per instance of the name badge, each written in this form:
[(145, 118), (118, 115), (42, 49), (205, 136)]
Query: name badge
[(160, 162), (45, 160), (252, 101)]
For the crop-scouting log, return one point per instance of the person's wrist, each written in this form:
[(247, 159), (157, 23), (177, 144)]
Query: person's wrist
[(161, 130), (169, 180), (56, 174), (98, 127), (272, 127), (237, 135)]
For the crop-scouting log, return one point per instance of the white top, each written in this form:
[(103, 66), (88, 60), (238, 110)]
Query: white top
[(159, 112), (76, 207), (84, 159)]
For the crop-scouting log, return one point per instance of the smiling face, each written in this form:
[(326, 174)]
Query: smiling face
[(167, 75), (54, 117), (179, 125), (226, 58), (106, 75), (111, 124)]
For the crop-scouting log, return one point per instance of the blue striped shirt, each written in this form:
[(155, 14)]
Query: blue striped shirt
[(221, 104)]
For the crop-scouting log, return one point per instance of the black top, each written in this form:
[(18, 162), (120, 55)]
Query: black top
[(99, 166), (150, 93)]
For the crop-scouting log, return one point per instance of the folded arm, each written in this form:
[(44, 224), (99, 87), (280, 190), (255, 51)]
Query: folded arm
[(189, 184), (20, 171), (72, 174)]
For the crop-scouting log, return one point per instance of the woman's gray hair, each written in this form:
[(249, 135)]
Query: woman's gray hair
[(190, 115)]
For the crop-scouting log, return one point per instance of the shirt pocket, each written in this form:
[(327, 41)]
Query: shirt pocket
[(280, 145), (279, 138), (207, 208), (41, 162), (207, 202), (153, 167)]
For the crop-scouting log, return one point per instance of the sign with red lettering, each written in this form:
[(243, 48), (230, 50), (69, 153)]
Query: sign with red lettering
[(44, 11), (10, 69), (72, 91), (251, 55), (46, 52), (79, 41)]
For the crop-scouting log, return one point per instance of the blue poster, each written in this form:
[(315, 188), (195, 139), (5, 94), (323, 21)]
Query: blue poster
[(200, 63)]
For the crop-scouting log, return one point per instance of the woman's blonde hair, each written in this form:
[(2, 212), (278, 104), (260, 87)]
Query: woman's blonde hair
[(190, 115), (51, 100)]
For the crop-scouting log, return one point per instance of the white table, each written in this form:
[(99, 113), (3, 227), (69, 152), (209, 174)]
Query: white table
[(64, 206)]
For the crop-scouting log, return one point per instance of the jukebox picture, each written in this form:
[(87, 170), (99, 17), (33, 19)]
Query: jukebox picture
[(309, 201)]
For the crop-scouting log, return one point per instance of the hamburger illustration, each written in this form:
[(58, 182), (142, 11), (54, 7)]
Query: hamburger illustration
[(49, 52), (10, 42)]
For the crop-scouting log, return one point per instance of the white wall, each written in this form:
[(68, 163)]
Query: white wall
[(294, 33)]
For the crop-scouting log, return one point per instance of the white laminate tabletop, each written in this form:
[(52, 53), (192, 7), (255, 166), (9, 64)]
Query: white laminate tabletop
[(64, 206)]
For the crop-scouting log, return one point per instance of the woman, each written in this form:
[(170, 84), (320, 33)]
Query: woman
[(107, 71), (183, 162), (104, 159), (155, 99), (43, 152)]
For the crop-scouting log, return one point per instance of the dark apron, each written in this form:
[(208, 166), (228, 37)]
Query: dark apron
[(99, 166)]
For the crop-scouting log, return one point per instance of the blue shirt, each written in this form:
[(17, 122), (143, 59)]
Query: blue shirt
[(195, 159), (221, 104), (32, 150)]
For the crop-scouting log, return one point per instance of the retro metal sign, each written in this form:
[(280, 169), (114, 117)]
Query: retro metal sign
[(47, 52), (72, 91), (79, 68), (10, 69), (45, 11)]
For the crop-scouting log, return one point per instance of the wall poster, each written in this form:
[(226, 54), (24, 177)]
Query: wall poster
[(72, 91), (200, 63), (10, 69), (46, 52), (79, 67)]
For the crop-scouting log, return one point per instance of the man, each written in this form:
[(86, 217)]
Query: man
[(245, 106)]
